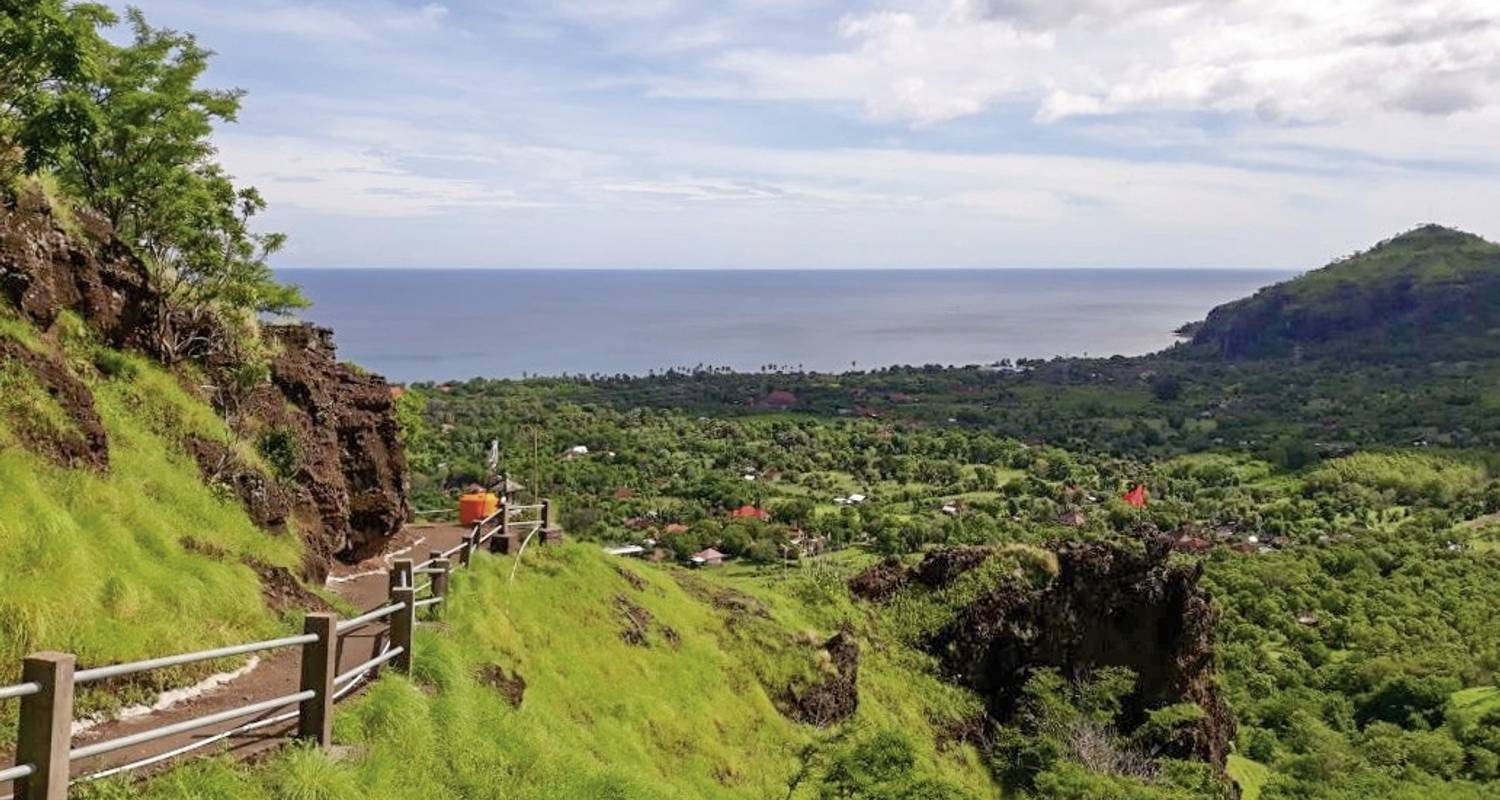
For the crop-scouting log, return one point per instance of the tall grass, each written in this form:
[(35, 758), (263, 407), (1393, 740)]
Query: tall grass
[(98, 564), (601, 718)]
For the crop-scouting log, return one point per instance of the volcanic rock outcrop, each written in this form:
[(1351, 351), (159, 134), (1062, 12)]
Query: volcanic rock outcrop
[(351, 462), (347, 493), (1107, 605)]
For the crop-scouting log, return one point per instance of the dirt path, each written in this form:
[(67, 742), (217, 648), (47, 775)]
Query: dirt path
[(364, 585)]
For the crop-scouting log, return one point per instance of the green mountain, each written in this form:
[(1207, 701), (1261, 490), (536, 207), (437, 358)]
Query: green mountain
[(1432, 292)]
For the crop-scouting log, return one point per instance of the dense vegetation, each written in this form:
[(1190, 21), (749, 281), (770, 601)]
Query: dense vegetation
[(1324, 450), (1359, 658), (1393, 301)]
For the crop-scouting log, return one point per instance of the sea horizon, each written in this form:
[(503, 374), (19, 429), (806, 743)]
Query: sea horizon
[(454, 323)]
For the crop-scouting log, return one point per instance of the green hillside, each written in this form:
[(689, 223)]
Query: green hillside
[(639, 681), (140, 560), (1432, 290)]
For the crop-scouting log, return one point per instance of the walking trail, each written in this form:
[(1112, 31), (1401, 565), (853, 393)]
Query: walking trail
[(364, 585)]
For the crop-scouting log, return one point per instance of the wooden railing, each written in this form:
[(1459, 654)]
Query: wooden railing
[(44, 749)]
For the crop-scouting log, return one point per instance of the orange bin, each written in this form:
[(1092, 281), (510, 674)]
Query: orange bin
[(476, 506)]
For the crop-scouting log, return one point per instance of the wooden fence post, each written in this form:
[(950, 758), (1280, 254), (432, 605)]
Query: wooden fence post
[(402, 619), (320, 664), (498, 542), (466, 553), (46, 730), (401, 573), (546, 513), (440, 584)]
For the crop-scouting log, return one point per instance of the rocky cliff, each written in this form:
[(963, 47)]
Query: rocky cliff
[(350, 461), (347, 488), (1105, 605)]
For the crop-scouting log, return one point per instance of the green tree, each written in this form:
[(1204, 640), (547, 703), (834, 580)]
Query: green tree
[(47, 47), (148, 168)]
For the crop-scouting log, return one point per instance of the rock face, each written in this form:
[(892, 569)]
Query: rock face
[(351, 464), (45, 270), (348, 493), (268, 503), (1107, 607)]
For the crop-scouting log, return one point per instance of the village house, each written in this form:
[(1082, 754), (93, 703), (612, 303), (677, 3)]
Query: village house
[(706, 558), (1072, 518), (750, 512)]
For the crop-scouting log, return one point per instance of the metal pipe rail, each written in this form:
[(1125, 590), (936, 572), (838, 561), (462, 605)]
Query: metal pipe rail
[(111, 745), (431, 601), (369, 665), (19, 690), (16, 773), (116, 670), (368, 617), (514, 509)]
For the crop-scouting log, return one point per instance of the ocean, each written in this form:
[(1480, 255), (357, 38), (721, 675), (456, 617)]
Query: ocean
[(445, 324)]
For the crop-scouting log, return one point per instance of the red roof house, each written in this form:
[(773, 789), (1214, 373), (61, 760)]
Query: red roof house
[(779, 398), (749, 512), (1137, 496)]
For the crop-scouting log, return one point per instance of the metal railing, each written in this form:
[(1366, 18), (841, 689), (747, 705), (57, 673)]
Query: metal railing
[(44, 749)]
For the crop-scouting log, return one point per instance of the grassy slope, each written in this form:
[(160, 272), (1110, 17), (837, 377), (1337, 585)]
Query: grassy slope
[(601, 718), (95, 564)]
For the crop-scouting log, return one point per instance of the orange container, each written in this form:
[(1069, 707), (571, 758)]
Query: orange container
[(476, 506)]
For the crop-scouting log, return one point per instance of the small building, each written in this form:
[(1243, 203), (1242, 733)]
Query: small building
[(779, 398), (951, 509), (675, 527), (1072, 518), (626, 550), (706, 558), (856, 499), (750, 512)]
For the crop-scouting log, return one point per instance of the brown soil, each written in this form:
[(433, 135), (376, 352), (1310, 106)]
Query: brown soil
[(83, 443), (635, 621), (281, 589), (512, 686), (835, 698), (636, 581), (880, 582)]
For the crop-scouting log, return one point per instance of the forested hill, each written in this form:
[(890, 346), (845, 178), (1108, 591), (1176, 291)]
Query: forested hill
[(1432, 290)]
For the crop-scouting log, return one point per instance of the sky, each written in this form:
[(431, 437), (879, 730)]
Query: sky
[(823, 134)]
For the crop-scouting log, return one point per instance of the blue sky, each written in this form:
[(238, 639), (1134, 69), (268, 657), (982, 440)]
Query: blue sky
[(813, 133)]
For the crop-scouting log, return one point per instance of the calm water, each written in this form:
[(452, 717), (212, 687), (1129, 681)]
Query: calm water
[(454, 324)]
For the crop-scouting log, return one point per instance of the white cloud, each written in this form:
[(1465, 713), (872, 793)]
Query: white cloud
[(929, 61), (327, 178)]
